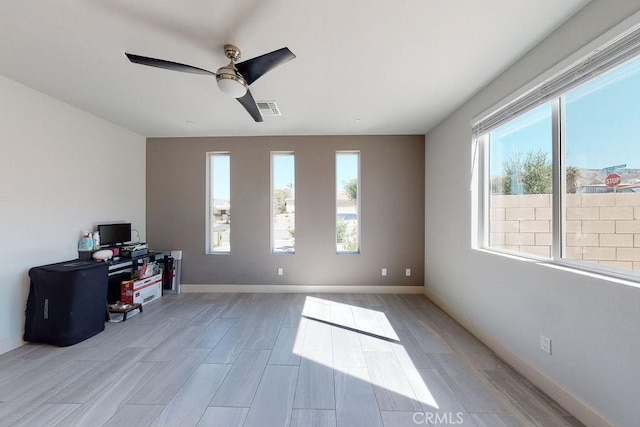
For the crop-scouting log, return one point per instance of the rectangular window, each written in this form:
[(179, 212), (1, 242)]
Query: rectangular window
[(283, 203), (602, 169), (559, 175), (219, 203), (347, 202), (520, 177)]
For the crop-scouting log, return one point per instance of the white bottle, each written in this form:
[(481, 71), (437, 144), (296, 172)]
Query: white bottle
[(96, 241)]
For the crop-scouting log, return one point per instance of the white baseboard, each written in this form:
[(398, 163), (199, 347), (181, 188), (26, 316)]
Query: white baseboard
[(193, 288), (568, 401), (11, 343)]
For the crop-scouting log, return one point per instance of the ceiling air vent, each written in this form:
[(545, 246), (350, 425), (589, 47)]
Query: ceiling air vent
[(268, 108)]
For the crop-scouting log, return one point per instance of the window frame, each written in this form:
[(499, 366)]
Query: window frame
[(209, 198), (271, 201), (358, 203), (481, 146)]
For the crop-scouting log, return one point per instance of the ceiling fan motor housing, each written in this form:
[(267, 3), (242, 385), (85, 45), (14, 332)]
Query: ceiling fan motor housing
[(231, 82)]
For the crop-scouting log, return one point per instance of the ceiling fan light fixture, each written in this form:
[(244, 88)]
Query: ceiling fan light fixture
[(231, 83)]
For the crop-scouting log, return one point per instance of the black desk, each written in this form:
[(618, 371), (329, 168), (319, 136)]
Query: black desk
[(125, 269)]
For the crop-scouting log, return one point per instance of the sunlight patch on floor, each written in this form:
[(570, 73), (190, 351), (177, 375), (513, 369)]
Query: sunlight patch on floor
[(374, 334)]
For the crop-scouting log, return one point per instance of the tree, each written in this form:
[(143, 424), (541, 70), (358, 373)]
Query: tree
[(280, 197), (537, 176), (512, 175), (572, 174), (351, 187), (531, 175)]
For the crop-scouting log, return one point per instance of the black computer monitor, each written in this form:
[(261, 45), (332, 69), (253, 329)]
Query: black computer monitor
[(114, 234)]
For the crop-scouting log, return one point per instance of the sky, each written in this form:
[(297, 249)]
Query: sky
[(283, 172), (602, 125)]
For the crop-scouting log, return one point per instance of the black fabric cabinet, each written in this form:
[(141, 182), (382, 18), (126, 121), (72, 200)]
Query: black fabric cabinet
[(67, 302)]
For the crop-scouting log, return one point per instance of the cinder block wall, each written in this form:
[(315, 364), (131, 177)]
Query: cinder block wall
[(600, 228)]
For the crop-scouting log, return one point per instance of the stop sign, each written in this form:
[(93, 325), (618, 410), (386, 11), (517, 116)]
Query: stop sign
[(612, 180)]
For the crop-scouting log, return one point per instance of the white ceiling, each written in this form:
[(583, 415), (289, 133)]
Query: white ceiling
[(362, 66)]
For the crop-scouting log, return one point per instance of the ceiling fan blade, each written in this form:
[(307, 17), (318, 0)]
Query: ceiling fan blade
[(249, 104), (252, 69), (167, 65)]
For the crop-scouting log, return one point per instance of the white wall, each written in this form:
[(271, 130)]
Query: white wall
[(594, 322), (62, 170)]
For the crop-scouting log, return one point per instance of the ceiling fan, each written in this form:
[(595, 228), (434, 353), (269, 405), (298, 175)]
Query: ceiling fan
[(233, 79)]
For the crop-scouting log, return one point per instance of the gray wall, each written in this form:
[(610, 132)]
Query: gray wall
[(392, 210), (592, 321)]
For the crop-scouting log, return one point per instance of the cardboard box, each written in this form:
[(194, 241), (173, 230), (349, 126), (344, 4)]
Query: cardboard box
[(141, 291)]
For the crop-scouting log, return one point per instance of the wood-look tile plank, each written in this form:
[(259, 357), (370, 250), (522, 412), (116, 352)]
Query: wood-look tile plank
[(532, 406), (212, 333), (93, 382), (134, 416), (208, 314), (427, 338), (317, 336), (27, 351), (237, 306), (150, 336), (390, 384), (192, 400), (38, 370), (409, 352), (317, 308), (403, 419), (432, 391), (230, 346), (292, 316), (13, 367), (273, 402), (182, 308), (102, 406), (162, 387), (341, 314), (347, 351), (241, 383), (315, 388), (370, 343), (356, 403), (172, 346), (313, 418), (223, 417), (278, 307), (264, 335), (500, 420), (469, 386), (27, 400), (46, 414), (436, 398), (470, 348), (288, 347)]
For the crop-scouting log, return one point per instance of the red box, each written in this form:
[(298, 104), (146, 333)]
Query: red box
[(141, 291)]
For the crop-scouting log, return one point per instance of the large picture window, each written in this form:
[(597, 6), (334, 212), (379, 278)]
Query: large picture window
[(520, 177), (560, 166), (219, 203)]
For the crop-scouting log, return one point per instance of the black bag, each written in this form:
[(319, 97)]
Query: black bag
[(67, 302)]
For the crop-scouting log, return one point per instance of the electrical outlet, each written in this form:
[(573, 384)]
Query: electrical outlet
[(545, 344), (280, 271), (407, 272), (384, 271)]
